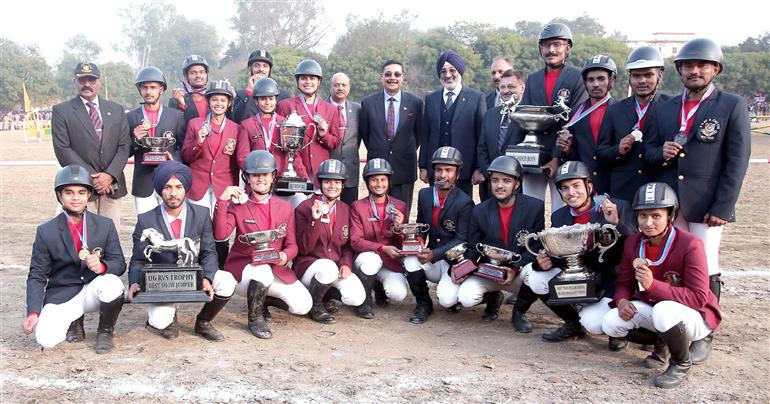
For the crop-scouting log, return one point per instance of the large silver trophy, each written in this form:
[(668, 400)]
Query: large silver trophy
[(536, 120), (170, 283), (410, 245), (499, 262), (156, 146), (575, 284), (293, 131), (263, 252), (461, 267)]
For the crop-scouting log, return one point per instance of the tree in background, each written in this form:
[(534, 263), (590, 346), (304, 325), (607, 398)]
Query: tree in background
[(77, 49), (24, 63)]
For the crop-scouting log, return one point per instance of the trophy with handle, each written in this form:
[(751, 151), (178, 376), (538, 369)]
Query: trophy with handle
[(156, 147), (410, 245), (263, 252), (536, 120), (461, 267), (293, 131), (496, 269)]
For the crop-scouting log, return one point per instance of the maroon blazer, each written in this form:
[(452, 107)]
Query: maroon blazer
[(317, 240), (683, 277), (318, 151), (229, 216), (368, 234), (250, 138), (209, 163)]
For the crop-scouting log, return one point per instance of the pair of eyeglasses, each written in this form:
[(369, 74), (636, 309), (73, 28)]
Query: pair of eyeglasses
[(393, 74), (554, 44)]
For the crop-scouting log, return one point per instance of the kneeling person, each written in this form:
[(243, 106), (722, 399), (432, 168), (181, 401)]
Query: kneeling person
[(175, 218)]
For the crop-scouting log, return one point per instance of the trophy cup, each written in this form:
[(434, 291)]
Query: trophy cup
[(157, 147), (293, 141), (409, 231), (494, 269), (462, 266), (575, 284), (179, 282), (263, 252), (536, 120)]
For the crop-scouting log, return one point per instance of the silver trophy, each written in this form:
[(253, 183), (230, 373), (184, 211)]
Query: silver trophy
[(157, 147), (263, 252), (575, 284), (293, 131), (536, 120), (409, 231), (496, 268), (461, 267)]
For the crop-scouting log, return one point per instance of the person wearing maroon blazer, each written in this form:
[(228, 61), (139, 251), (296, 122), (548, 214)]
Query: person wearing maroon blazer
[(372, 240), (263, 132), (326, 260), (259, 212), (324, 136), (663, 287)]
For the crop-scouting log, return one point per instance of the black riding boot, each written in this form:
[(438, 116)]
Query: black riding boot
[(524, 300), (76, 332), (108, 316), (418, 283), (203, 326), (223, 250), (659, 355), (701, 349), (680, 365), (379, 294), (493, 300), (365, 309), (318, 312), (571, 327), (272, 301), (255, 299)]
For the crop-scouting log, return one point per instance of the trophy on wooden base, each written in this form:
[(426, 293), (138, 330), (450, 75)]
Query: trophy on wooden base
[(495, 268), (462, 266), (536, 120), (409, 231), (157, 147), (293, 141), (263, 252)]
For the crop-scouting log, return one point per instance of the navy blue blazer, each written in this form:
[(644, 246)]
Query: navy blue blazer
[(197, 226), (171, 120), (56, 274), (490, 130), (528, 214), (469, 108), (453, 220), (709, 171), (373, 130), (625, 173), (490, 99)]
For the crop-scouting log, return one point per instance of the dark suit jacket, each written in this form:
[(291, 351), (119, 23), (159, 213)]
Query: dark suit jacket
[(490, 130), (490, 99), (56, 274), (373, 130), (170, 120), (347, 150), (469, 107), (453, 220), (75, 140), (709, 171), (245, 106), (626, 173), (534, 94), (190, 112), (317, 240), (528, 214), (197, 226)]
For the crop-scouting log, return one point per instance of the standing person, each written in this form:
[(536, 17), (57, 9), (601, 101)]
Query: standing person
[(152, 120), (497, 130), (390, 127), (452, 117), (175, 218), (263, 132), (93, 133), (260, 65), (324, 136), (190, 97), (544, 87), (326, 259), (577, 139), (209, 150), (499, 66), (662, 294), (701, 144), (259, 282), (75, 268), (620, 147), (347, 150)]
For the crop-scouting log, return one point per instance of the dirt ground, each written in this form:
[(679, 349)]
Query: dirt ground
[(451, 358)]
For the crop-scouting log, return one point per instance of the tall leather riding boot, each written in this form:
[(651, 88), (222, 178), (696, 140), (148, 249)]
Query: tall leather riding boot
[(701, 349), (272, 301), (203, 326), (680, 364), (659, 355), (223, 250), (76, 332), (255, 299), (524, 300), (493, 300), (418, 283), (380, 297), (330, 300), (571, 327), (108, 316), (365, 309), (318, 312)]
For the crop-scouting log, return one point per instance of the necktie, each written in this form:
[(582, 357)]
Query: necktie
[(503, 132), (176, 228), (343, 124), (449, 99), (391, 120), (96, 121)]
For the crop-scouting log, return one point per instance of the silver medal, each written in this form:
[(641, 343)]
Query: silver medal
[(324, 209), (317, 117), (680, 138), (390, 208), (637, 134), (242, 198)]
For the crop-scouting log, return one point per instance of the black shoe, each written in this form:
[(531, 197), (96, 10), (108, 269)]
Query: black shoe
[(520, 322), (511, 300), (380, 298), (255, 299), (332, 306), (318, 311), (170, 332), (420, 314), (203, 326), (493, 300), (108, 316), (570, 329), (701, 349), (272, 301), (365, 311), (418, 283), (616, 344), (658, 357), (76, 332), (454, 309), (680, 364)]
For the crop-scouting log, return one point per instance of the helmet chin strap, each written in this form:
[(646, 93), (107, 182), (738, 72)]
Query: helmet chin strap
[(72, 213), (507, 199)]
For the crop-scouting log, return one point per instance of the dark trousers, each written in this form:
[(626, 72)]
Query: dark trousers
[(403, 192), (349, 195)]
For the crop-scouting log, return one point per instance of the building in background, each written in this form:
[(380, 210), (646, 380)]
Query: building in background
[(668, 43)]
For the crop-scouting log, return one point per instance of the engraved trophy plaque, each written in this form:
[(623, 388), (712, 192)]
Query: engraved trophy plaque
[(461, 267), (263, 252), (496, 269), (409, 232)]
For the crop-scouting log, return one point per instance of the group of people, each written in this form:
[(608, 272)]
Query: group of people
[(665, 171)]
